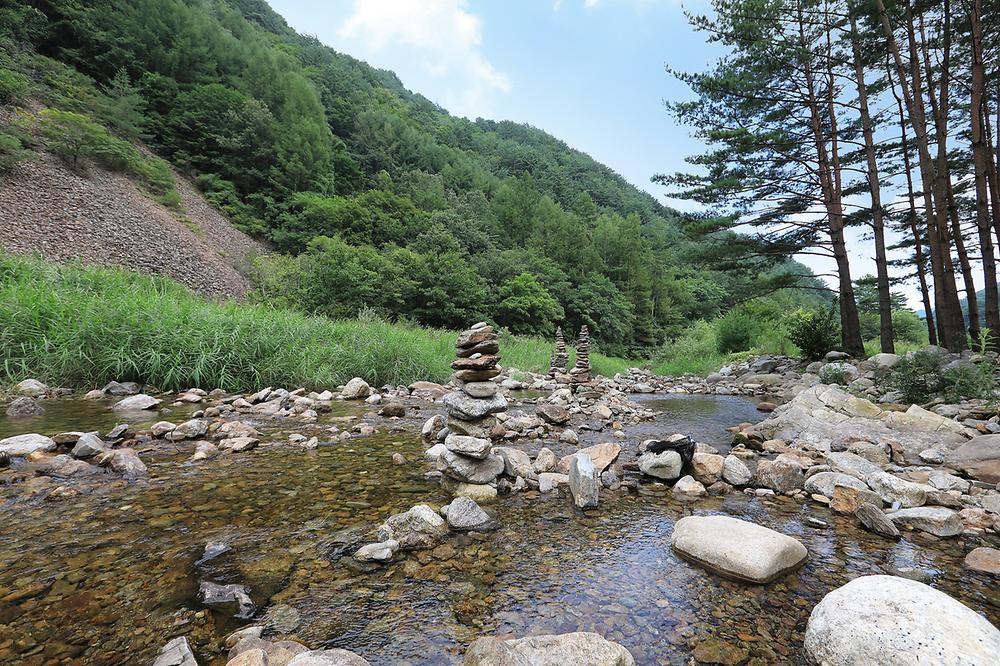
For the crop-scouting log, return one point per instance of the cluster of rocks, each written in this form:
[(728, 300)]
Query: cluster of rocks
[(247, 648), (557, 365), (421, 527), (73, 455), (580, 374)]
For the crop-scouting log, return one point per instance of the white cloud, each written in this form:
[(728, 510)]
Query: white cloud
[(442, 36), (590, 4)]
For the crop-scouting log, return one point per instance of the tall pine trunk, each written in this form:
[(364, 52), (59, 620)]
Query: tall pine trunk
[(948, 313), (878, 225)]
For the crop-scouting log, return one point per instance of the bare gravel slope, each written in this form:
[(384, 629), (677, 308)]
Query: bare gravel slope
[(102, 218)]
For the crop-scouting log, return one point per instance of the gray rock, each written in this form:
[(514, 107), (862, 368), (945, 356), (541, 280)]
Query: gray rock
[(851, 464), (893, 489), (419, 527), (515, 462), (549, 481), (945, 481), (584, 482), (666, 465), (779, 476), (470, 470), (356, 389), (736, 548), (552, 413), (213, 594), (335, 657), (124, 461), (480, 389), (467, 408), (382, 551), (88, 445), (688, 488), (872, 519), (474, 447), (935, 520), (24, 406), (31, 388), (580, 648), (885, 361), (432, 427), (464, 514), (735, 471), (979, 458), (23, 445), (192, 429), (136, 403), (176, 652), (707, 467), (433, 453), (824, 483), (568, 436), (121, 388), (892, 621), (545, 461)]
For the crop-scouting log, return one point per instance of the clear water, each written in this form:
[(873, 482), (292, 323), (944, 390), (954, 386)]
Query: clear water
[(108, 576)]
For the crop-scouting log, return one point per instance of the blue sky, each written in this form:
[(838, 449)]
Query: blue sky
[(589, 72)]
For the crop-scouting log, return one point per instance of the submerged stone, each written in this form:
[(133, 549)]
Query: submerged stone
[(736, 548), (580, 648)]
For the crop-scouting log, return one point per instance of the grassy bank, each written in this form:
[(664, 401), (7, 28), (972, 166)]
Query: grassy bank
[(75, 326)]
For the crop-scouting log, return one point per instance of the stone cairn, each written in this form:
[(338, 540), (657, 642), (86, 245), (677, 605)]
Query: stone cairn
[(580, 374), (557, 366), (469, 458)]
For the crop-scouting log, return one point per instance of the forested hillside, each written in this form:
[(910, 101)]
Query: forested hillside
[(379, 198)]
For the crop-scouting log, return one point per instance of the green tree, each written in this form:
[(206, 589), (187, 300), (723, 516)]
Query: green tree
[(525, 306)]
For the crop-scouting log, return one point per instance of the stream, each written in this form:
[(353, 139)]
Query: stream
[(108, 576)]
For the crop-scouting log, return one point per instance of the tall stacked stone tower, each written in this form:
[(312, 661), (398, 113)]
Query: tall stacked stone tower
[(557, 366), (580, 374), (471, 408)]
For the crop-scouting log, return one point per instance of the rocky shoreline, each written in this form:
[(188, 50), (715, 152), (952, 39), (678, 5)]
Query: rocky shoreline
[(891, 469)]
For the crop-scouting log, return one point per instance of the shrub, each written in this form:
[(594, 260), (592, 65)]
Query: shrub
[(815, 332), (967, 380), (908, 327), (12, 150), (835, 373), (13, 86), (918, 376), (736, 331)]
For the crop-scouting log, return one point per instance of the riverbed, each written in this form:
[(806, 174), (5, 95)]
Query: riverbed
[(110, 575)]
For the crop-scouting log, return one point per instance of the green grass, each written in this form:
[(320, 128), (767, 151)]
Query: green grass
[(73, 326)]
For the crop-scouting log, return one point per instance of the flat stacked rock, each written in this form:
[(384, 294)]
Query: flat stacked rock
[(469, 458), (580, 374), (559, 358)]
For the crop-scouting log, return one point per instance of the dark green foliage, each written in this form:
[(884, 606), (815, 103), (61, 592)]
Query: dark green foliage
[(736, 331), (908, 327), (814, 332), (929, 373), (526, 307)]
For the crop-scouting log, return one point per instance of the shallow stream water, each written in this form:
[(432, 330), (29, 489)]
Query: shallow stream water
[(109, 576)]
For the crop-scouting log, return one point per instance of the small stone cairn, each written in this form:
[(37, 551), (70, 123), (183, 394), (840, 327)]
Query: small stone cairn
[(557, 366), (580, 374), (469, 457)]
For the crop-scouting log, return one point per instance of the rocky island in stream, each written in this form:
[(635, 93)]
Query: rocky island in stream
[(503, 518)]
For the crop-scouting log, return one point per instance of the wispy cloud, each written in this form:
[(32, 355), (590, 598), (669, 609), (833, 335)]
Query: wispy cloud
[(443, 36)]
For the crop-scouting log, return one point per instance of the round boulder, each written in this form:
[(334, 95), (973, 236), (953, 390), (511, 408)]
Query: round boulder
[(892, 621)]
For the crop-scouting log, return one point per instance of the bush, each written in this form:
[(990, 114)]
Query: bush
[(908, 327), (695, 352), (815, 332), (926, 374), (736, 331), (13, 86), (836, 373)]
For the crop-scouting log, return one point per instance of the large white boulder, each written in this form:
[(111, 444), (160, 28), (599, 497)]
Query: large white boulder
[(892, 621), (736, 548), (23, 445), (136, 403), (420, 527), (580, 648)]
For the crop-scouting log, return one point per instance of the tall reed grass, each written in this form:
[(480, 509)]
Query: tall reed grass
[(78, 326)]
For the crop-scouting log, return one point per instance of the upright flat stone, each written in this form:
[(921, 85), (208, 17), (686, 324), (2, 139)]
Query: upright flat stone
[(177, 652), (892, 621), (737, 549), (584, 481)]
